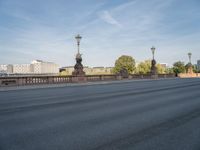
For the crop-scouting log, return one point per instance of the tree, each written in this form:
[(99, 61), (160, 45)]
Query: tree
[(179, 67), (145, 67), (169, 71), (161, 69), (195, 69), (124, 62)]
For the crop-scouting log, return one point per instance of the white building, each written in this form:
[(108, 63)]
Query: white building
[(36, 67), (6, 68), (3, 67), (9, 69), (41, 67), (22, 68)]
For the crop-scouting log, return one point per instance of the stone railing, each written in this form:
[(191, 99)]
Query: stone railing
[(189, 75), (35, 80)]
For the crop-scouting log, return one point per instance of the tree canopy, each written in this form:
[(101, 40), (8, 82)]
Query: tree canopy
[(145, 67), (161, 69), (179, 67), (124, 62)]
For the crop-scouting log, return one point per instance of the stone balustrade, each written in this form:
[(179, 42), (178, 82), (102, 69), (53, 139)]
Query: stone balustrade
[(189, 75), (35, 80)]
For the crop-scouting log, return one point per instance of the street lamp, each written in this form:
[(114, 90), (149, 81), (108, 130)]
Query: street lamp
[(153, 51), (78, 68), (153, 63), (78, 39), (190, 69), (190, 55)]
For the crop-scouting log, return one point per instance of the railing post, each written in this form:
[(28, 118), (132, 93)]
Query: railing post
[(130, 76), (119, 77), (20, 81), (101, 77)]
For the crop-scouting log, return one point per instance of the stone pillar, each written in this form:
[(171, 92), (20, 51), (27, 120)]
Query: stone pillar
[(119, 77), (78, 73), (130, 77)]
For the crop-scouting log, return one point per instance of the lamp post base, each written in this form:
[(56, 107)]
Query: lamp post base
[(78, 68), (190, 70), (153, 68)]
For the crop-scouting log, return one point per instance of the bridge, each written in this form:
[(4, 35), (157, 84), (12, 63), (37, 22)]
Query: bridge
[(42, 79), (139, 115)]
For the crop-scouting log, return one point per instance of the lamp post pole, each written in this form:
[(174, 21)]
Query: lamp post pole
[(153, 64), (153, 51), (190, 55), (190, 69), (78, 68), (78, 39)]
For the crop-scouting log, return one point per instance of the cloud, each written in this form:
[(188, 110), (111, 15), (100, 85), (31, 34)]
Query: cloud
[(108, 18)]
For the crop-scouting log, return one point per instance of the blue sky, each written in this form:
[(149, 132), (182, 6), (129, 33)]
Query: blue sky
[(45, 29)]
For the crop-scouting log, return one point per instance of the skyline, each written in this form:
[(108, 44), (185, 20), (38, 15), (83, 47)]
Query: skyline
[(46, 30)]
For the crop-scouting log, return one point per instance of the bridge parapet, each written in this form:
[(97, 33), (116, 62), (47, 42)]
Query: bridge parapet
[(189, 75), (35, 80)]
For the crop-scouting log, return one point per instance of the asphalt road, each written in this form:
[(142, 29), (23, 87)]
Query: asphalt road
[(143, 115)]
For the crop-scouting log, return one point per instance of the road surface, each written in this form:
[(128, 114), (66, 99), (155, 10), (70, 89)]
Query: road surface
[(142, 115)]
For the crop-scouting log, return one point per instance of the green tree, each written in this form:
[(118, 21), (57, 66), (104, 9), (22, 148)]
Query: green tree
[(169, 71), (126, 62), (179, 67), (145, 67), (195, 69), (160, 69)]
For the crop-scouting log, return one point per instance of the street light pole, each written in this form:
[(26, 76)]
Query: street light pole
[(78, 68), (153, 64), (190, 69), (153, 51), (78, 39), (190, 55)]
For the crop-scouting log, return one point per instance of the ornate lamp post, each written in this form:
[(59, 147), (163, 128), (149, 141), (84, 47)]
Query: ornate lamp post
[(78, 68), (153, 62), (153, 51), (78, 39), (190, 55), (190, 69)]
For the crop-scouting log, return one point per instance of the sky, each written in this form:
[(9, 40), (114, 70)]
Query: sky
[(46, 29)]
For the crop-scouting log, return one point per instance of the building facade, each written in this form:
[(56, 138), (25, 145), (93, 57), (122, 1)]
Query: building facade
[(88, 70), (3, 68), (36, 67), (22, 69), (6, 69), (164, 65), (41, 67)]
